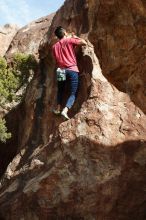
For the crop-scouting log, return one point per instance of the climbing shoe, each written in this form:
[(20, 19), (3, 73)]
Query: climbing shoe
[(64, 113)]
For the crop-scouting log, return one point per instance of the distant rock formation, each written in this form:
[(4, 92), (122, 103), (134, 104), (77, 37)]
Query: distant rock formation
[(7, 32), (28, 38)]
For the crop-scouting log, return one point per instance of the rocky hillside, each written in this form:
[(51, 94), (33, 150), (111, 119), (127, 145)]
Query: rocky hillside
[(93, 165), (28, 38), (7, 33)]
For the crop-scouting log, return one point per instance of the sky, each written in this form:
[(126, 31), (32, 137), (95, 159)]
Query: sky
[(21, 12)]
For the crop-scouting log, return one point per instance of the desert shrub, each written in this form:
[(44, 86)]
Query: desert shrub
[(13, 78), (4, 135)]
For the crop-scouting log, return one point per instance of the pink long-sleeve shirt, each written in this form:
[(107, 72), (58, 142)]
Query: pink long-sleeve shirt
[(64, 53)]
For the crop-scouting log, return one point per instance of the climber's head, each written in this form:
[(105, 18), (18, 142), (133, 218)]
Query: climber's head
[(60, 32)]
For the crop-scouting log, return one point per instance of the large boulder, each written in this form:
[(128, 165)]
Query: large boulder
[(93, 165)]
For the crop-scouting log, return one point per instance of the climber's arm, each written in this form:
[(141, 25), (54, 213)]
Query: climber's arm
[(77, 40), (82, 42)]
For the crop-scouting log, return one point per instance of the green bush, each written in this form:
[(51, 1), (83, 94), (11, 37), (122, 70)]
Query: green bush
[(22, 66), (4, 135), (13, 77)]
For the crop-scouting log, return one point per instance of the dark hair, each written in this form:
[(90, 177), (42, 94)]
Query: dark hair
[(60, 32)]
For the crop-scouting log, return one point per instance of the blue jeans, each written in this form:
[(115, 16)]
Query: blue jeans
[(73, 78)]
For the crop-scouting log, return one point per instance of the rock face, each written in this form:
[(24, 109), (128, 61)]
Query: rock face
[(93, 165), (7, 33), (29, 37), (32, 34)]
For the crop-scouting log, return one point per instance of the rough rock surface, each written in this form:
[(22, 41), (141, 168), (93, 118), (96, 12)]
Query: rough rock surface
[(29, 37), (7, 32), (93, 165)]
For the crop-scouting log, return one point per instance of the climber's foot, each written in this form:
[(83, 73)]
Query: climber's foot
[(64, 113)]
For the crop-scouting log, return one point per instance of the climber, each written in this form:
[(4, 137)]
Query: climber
[(66, 63)]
